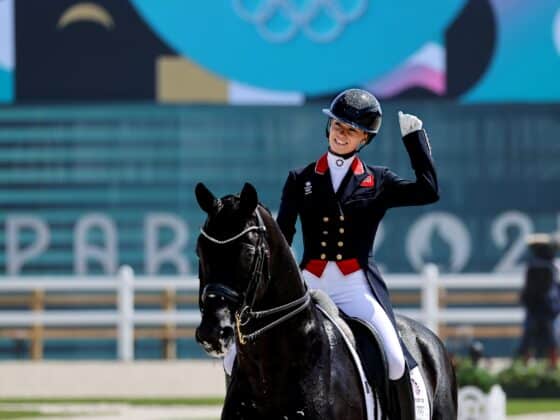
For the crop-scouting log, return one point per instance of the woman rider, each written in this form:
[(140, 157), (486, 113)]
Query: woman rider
[(340, 201)]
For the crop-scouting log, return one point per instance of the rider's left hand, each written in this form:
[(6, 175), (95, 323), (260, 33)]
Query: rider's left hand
[(409, 123)]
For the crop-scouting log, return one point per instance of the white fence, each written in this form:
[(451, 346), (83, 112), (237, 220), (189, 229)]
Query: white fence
[(125, 317), (431, 282)]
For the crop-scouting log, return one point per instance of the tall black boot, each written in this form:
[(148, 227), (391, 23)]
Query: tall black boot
[(402, 399)]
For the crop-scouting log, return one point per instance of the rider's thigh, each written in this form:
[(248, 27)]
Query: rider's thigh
[(312, 281), (366, 307)]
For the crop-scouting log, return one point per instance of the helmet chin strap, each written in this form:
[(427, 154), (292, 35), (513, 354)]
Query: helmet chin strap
[(350, 154), (345, 155)]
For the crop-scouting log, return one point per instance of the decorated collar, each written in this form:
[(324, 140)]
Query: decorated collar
[(322, 165), (338, 163)]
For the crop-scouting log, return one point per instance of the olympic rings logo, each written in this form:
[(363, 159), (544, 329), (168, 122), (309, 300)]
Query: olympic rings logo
[(279, 21)]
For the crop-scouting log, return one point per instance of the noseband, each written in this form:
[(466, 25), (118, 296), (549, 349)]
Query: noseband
[(246, 314)]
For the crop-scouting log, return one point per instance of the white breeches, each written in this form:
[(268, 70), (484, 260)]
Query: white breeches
[(353, 295)]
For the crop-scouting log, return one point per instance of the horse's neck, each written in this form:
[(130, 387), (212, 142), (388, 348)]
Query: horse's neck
[(265, 363), (285, 278)]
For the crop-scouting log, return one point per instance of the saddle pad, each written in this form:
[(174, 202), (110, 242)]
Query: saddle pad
[(421, 402)]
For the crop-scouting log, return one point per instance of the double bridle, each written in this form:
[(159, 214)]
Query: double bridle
[(246, 313)]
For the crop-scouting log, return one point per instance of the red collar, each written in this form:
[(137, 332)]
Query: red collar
[(322, 165), (357, 166)]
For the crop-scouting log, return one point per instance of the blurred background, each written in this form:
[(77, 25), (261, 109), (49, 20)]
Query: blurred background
[(112, 110)]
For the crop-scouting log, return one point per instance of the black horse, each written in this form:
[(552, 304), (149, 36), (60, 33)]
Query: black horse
[(292, 363)]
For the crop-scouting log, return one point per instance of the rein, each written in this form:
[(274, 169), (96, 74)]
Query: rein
[(246, 314), (300, 305)]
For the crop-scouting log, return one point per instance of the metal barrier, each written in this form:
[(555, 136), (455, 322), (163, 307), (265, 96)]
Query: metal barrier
[(126, 317)]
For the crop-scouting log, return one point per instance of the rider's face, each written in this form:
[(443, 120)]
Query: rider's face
[(344, 138)]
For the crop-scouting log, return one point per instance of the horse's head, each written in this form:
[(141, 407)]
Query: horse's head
[(226, 250)]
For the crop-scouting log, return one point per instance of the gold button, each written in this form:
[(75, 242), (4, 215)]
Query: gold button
[(338, 257), (325, 232), (340, 244), (323, 244), (323, 256), (342, 218), (325, 219), (341, 230)]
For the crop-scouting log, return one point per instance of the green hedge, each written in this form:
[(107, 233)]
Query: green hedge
[(518, 380), (468, 374)]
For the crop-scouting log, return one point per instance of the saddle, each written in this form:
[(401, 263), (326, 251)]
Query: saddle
[(372, 356), (367, 344)]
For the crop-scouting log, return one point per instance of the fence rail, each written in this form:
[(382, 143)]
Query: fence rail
[(432, 311)]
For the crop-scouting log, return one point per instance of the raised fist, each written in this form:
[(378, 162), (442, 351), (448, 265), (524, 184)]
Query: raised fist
[(409, 123)]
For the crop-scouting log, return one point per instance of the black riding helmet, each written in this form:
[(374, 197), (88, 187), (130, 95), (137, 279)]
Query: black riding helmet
[(358, 108)]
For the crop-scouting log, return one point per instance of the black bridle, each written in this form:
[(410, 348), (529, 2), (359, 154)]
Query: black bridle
[(246, 313)]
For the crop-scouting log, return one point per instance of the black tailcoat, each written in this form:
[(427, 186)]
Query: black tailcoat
[(342, 225)]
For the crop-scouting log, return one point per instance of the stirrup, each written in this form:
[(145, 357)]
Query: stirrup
[(402, 400)]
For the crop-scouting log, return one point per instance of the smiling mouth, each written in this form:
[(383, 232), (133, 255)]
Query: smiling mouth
[(340, 143)]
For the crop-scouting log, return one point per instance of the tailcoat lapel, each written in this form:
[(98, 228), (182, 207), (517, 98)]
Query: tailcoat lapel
[(323, 185), (356, 177)]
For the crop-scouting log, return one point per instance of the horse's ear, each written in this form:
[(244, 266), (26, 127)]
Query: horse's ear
[(248, 199), (206, 200)]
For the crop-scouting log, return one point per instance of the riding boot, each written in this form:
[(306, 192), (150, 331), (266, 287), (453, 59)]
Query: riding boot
[(402, 399)]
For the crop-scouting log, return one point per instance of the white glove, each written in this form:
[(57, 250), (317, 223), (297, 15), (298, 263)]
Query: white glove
[(409, 123)]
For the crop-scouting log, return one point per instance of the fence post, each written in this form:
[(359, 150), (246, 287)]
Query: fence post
[(430, 297), (496, 403), (125, 343), (37, 330), (170, 330)]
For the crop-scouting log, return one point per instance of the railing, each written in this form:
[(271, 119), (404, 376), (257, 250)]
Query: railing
[(434, 287), (125, 317)]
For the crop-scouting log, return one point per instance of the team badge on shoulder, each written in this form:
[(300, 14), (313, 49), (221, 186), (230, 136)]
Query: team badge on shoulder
[(307, 188), (368, 181)]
